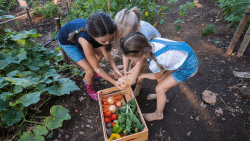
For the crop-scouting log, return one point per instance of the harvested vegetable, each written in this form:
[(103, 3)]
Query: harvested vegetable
[(108, 114), (114, 117), (113, 123), (109, 125), (112, 108), (118, 104), (114, 136), (111, 100), (109, 132), (117, 128), (107, 120)]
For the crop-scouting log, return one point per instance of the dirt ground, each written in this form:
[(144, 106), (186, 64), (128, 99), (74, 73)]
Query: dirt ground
[(186, 115)]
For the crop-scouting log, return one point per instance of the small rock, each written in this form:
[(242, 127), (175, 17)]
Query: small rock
[(209, 97), (76, 111), (223, 118), (199, 6), (191, 117), (89, 120), (219, 112), (151, 124), (188, 133), (160, 135), (67, 136), (87, 125), (81, 133), (156, 135), (197, 118), (165, 131)]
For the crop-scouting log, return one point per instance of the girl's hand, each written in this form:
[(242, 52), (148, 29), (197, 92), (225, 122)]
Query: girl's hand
[(118, 73), (118, 85)]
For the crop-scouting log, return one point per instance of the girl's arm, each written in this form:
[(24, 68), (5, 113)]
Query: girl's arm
[(90, 55), (125, 64), (111, 61), (136, 72)]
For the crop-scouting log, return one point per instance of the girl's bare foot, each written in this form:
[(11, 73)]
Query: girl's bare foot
[(137, 90), (152, 96), (153, 116)]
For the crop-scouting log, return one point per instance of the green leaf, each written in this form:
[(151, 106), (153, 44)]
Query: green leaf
[(41, 87), (18, 89), (179, 21), (53, 123), (183, 9), (13, 73), (5, 95), (27, 137), (12, 117), (3, 82), (28, 99), (172, 1), (24, 82), (8, 16), (60, 112), (162, 21), (50, 135), (177, 27), (40, 130), (64, 87), (4, 104), (191, 5)]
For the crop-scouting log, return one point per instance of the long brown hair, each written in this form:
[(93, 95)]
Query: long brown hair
[(135, 44), (126, 21), (98, 24)]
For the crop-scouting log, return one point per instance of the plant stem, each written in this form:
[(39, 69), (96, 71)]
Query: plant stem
[(6, 23), (46, 100), (33, 122)]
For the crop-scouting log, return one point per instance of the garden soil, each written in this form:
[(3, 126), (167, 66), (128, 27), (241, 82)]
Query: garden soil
[(186, 116)]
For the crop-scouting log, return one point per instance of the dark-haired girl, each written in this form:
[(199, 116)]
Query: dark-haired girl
[(86, 41), (171, 63)]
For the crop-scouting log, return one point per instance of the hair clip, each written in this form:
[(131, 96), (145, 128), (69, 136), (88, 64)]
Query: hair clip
[(76, 31)]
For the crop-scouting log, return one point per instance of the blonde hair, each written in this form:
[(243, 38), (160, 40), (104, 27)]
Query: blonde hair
[(135, 44), (126, 21)]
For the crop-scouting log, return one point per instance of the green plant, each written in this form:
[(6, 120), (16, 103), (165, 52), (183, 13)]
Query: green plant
[(59, 114), (26, 73), (48, 10), (7, 17), (217, 42), (233, 10), (5, 6), (75, 71), (18, 25), (208, 30)]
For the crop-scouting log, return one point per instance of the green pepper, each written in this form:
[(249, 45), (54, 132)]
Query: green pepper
[(117, 128)]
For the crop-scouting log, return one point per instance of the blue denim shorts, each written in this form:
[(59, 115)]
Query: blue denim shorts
[(75, 52), (187, 70)]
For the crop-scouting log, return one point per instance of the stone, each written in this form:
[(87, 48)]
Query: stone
[(209, 97), (197, 118), (218, 112), (199, 6)]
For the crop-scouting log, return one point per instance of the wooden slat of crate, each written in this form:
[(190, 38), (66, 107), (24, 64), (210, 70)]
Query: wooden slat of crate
[(128, 93)]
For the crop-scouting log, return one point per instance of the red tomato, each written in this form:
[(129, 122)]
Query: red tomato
[(108, 114), (113, 123), (114, 117), (107, 120)]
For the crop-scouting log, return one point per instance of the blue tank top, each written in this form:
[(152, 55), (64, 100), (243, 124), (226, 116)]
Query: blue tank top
[(64, 32)]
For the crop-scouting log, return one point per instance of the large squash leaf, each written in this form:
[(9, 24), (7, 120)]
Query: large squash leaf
[(4, 104), (5, 95), (65, 85), (3, 82), (41, 130), (28, 99), (30, 137), (12, 117), (53, 123), (60, 112)]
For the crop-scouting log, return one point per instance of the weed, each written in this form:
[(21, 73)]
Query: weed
[(49, 10), (208, 30), (217, 42)]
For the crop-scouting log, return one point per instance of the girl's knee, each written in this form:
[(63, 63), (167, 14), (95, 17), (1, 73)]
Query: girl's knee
[(90, 73), (160, 89)]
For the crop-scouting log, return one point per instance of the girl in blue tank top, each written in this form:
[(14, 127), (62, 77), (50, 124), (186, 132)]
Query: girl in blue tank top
[(86, 42), (171, 63)]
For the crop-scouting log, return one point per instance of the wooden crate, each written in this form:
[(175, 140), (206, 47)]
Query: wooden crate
[(128, 93)]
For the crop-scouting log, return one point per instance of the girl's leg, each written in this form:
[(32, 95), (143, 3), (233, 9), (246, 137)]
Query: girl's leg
[(161, 89), (165, 74), (89, 71), (88, 78)]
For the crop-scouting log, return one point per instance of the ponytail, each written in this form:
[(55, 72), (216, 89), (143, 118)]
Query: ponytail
[(137, 13), (158, 65), (72, 35)]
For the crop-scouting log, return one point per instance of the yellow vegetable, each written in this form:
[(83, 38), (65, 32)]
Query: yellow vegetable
[(114, 136)]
